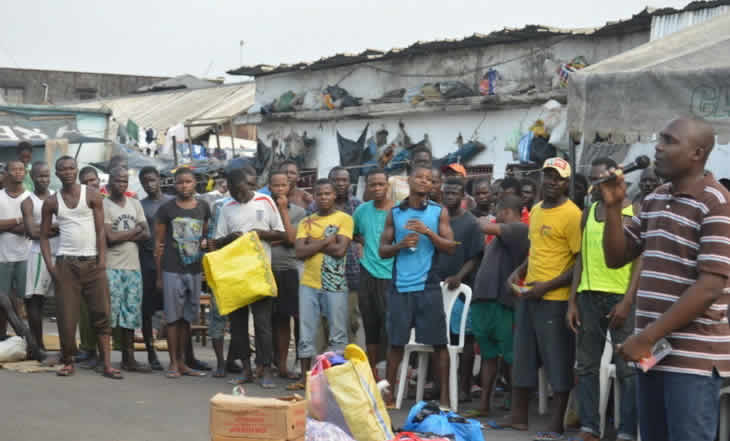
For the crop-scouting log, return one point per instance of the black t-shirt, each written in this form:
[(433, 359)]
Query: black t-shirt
[(183, 235), (466, 231), (501, 257), (147, 248)]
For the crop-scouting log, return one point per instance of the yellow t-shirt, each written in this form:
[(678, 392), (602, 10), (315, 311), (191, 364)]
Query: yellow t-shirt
[(555, 236), (322, 271)]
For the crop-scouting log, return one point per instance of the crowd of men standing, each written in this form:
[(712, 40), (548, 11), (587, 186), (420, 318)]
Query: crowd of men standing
[(551, 282)]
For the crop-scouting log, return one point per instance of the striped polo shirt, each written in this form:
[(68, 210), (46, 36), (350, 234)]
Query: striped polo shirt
[(679, 236)]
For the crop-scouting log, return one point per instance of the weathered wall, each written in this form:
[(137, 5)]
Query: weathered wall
[(494, 129), (66, 86), (370, 80)]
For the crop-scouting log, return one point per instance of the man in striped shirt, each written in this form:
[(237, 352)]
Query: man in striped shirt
[(683, 238)]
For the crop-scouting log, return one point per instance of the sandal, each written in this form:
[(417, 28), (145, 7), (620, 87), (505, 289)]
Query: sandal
[(193, 373), (219, 373), (114, 374), (66, 370), (296, 386), (549, 436), (172, 374)]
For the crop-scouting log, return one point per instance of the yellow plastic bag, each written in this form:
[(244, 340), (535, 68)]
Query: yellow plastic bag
[(347, 396), (239, 274)]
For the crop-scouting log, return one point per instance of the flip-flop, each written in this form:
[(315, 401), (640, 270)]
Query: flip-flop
[(172, 374), (65, 371), (296, 386), (193, 373), (549, 436), (493, 425), (114, 374), (219, 373)]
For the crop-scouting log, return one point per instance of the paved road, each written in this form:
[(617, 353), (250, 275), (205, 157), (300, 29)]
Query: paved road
[(142, 407)]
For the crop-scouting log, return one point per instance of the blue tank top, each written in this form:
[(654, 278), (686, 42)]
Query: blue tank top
[(413, 268)]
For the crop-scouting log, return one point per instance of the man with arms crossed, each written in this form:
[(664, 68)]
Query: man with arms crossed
[(322, 242), (125, 225), (14, 250), (683, 239), (38, 283), (79, 268)]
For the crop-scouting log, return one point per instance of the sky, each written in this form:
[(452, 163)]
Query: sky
[(202, 38)]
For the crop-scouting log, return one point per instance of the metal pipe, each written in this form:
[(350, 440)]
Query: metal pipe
[(45, 92), (174, 149)]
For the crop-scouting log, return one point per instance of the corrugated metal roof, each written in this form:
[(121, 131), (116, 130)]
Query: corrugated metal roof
[(162, 110), (663, 25), (639, 22)]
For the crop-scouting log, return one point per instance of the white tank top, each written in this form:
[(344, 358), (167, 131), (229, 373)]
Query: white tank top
[(77, 236), (37, 217)]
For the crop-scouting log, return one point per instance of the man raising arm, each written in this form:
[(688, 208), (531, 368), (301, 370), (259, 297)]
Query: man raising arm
[(683, 237)]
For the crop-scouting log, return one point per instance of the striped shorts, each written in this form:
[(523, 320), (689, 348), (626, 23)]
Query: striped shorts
[(38, 281)]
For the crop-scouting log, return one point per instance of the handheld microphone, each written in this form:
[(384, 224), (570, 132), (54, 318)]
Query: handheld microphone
[(639, 163)]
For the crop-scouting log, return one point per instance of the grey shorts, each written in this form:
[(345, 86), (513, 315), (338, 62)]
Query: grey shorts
[(423, 310), (543, 338), (13, 276), (181, 293)]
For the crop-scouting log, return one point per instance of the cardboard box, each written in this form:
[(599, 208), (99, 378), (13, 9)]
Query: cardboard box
[(241, 418)]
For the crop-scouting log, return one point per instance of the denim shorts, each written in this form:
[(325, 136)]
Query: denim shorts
[(314, 304), (181, 294), (216, 322)]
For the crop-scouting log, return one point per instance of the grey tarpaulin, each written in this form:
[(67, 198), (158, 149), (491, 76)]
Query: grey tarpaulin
[(633, 95)]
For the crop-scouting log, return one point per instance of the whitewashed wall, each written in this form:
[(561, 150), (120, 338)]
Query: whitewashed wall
[(442, 128)]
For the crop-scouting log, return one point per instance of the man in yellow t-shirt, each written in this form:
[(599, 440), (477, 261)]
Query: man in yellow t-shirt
[(541, 333), (322, 241)]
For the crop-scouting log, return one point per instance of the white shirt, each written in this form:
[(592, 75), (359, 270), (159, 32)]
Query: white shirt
[(260, 213), (13, 247), (37, 214)]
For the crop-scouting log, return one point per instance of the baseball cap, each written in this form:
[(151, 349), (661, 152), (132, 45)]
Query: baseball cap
[(558, 164), (458, 168)]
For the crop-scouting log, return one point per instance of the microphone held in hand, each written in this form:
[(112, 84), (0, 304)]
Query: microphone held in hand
[(639, 163)]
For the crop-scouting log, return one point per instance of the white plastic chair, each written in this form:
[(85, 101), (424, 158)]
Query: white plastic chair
[(607, 375), (450, 297), (724, 414)]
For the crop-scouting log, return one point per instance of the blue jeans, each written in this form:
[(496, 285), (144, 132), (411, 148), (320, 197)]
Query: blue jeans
[(678, 407), (593, 308), (313, 304)]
